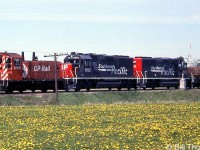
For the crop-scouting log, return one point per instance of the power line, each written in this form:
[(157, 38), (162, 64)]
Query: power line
[(28, 51)]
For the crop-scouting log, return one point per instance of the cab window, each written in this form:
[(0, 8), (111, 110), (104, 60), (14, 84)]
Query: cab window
[(8, 63), (87, 63), (17, 62)]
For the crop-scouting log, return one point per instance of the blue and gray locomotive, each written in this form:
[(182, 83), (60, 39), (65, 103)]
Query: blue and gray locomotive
[(160, 72), (99, 71)]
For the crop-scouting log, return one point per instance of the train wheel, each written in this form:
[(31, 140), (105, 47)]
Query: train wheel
[(128, 88), (77, 89), (168, 88), (144, 88), (44, 90), (88, 89), (8, 91), (33, 90), (119, 89), (20, 91), (109, 89)]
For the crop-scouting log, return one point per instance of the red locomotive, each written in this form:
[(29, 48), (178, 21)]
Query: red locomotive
[(20, 75)]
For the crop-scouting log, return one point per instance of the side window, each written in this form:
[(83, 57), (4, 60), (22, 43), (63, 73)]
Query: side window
[(8, 63), (76, 61), (8, 60), (17, 62)]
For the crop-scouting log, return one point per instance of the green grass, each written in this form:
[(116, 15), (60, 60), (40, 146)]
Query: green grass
[(73, 98)]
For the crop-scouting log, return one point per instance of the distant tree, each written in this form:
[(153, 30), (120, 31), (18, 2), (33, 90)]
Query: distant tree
[(195, 62)]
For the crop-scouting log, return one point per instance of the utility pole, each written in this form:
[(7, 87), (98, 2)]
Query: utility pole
[(55, 55), (190, 56)]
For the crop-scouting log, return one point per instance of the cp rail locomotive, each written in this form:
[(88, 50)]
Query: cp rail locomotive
[(89, 71), (17, 74)]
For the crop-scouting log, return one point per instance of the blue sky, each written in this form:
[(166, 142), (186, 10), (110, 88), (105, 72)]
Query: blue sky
[(158, 28)]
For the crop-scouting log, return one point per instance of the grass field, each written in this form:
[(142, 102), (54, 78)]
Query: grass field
[(104, 126), (80, 98)]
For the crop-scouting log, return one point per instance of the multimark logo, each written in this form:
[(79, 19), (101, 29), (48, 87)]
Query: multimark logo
[(163, 71), (113, 69)]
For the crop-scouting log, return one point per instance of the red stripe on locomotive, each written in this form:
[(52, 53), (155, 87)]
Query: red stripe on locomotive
[(137, 67), (67, 71)]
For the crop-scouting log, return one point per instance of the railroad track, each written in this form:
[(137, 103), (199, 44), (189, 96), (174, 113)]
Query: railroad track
[(85, 91)]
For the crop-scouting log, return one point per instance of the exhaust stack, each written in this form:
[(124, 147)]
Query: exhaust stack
[(23, 56), (33, 57)]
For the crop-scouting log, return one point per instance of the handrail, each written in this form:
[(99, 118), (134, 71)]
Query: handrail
[(76, 73)]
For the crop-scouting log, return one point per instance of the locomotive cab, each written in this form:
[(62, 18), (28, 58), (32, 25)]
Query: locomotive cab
[(182, 67), (10, 66), (10, 71), (71, 63), (85, 67), (183, 72), (78, 65)]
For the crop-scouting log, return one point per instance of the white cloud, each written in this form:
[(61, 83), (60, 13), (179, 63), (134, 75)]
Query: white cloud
[(99, 18)]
